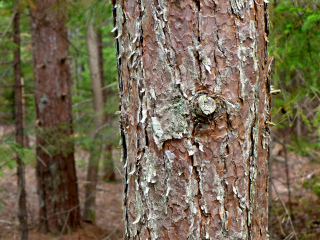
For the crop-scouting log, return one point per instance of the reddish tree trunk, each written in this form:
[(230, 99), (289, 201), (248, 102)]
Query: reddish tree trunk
[(195, 108), (57, 181)]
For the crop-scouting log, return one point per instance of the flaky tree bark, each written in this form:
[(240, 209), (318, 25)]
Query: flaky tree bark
[(194, 118), (56, 175), (18, 103)]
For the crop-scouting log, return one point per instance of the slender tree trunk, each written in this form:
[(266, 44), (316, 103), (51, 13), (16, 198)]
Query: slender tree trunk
[(270, 198), (98, 103), (18, 101), (56, 174), (195, 109), (25, 136), (108, 166)]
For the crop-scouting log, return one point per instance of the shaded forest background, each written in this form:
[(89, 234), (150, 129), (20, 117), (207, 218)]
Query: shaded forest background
[(294, 152)]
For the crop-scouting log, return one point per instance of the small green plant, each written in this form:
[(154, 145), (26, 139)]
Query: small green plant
[(313, 184)]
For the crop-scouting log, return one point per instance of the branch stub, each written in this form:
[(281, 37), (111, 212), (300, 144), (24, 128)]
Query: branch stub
[(206, 105)]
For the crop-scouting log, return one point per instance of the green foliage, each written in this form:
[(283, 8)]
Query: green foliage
[(80, 14), (294, 42), (56, 140), (316, 120), (6, 47), (8, 152), (304, 147), (6, 61)]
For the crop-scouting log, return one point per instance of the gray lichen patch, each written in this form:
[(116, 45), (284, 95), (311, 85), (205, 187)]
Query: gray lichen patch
[(43, 101), (172, 120), (120, 20), (157, 129), (247, 50)]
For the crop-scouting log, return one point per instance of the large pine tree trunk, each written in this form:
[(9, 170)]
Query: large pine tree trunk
[(18, 104), (194, 118), (56, 175)]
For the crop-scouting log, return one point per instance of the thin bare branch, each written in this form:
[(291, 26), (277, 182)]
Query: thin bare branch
[(285, 209), (9, 26)]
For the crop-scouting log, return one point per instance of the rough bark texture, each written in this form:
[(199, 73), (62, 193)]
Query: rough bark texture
[(194, 118), (56, 175), (98, 104), (18, 103)]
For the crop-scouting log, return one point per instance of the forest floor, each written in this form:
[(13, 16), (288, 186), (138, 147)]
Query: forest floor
[(109, 224), (305, 205), (109, 211)]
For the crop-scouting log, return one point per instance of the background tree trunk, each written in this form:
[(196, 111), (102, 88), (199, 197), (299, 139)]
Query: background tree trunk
[(195, 108), (108, 165), (18, 103), (57, 181), (99, 147), (98, 105)]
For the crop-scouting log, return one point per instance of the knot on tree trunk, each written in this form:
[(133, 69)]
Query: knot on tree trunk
[(206, 105)]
